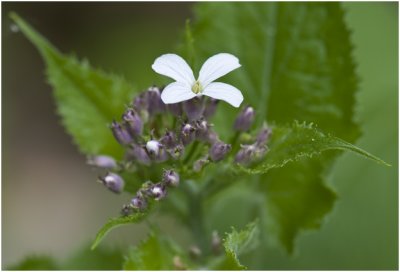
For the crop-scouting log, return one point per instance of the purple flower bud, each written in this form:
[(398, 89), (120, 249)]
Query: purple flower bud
[(171, 178), (175, 109), (126, 210), (153, 148), (169, 140), (133, 123), (263, 136), (194, 108), (244, 119), (158, 191), (140, 102), (219, 150), (102, 161), (199, 164), (162, 155), (113, 182), (139, 203), (120, 134), (188, 134), (250, 153), (210, 108), (139, 153), (155, 104)]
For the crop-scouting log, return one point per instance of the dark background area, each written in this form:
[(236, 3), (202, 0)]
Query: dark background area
[(51, 203)]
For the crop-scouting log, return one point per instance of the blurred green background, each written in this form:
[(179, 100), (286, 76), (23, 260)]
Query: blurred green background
[(51, 203)]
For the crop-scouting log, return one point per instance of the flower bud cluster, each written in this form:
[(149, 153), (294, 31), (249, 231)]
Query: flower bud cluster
[(157, 136)]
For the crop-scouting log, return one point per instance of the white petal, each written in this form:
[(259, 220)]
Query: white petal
[(175, 67), (176, 92), (216, 67), (225, 92)]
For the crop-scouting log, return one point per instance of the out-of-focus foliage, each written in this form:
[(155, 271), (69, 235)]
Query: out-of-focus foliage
[(36, 263), (87, 99)]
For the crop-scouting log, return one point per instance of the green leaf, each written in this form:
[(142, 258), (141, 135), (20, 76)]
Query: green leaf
[(299, 141), (236, 244), (154, 253), (116, 222), (87, 99), (296, 65), (36, 263)]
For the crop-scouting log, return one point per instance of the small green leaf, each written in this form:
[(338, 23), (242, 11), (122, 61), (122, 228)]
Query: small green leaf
[(36, 263), (154, 253), (87, 99), (236, 244), (300, 141), (116, 222)]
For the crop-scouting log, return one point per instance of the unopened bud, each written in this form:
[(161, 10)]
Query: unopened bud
[(244, 119), (194, 108), (120, 133), (126, 210), (113, 182), (188, 134), (176, 152), (219, 150), (169, 139), (155, 104), (263, 136), (216, 242), (133, 123), (102, 161), (250, 153), (171, 178), (199, 164), (153, 147), (158, 191), (139, 203), (210, 108), (139, 154)]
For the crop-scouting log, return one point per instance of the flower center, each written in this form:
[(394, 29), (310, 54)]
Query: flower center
[(197, 88)]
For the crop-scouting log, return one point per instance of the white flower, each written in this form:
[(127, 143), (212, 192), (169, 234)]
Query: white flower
[(186, 86)]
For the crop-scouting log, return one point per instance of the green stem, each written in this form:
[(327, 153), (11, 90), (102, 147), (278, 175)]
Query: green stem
[(192, 151)]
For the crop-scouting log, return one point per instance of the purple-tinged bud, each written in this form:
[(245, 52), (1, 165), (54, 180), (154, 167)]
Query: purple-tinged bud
[(171, 178), (210, 108), (263, 136), (162, 155), (155, 104), (140, 102), (244, 119), (120, 134), (194, 108), (199, 164), (175, 109), (195, 252), (126, 210), (102, 161), (250, 153), (218, 151), (169, 140), (133, 123), (188, 134), (113, 182), (158, 191), (139, 154), (153, 148), (139, 203)]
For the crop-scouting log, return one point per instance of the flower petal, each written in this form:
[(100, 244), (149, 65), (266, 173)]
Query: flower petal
[(176, 92), (225, 92), (175, 67), (216, 67)]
